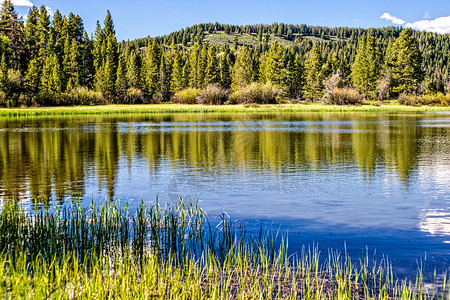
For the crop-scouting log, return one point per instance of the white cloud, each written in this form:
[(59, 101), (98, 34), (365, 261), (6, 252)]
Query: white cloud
[(49, 11), (22, 3), (395, 20), (438, 25), (357, 20)]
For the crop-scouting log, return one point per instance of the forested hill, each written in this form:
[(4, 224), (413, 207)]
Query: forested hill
[(343, 41), (52, 60)]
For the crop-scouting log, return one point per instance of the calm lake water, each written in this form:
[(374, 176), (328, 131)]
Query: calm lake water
[(379, 181)]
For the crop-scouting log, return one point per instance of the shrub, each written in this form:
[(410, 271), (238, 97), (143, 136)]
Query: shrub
[(430, 100), (258, 93), (344, 96), (134, 96), (84, 96), (186, 96), (213, 95)]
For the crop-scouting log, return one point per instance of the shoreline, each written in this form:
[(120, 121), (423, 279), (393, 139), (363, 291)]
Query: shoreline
[(392, 106)]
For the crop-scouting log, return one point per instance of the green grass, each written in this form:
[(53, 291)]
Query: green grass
[(173, 252), (195, 108)]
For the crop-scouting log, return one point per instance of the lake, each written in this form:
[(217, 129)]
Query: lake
[(376, 181)]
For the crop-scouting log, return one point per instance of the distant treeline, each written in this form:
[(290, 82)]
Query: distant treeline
[(53, 61)]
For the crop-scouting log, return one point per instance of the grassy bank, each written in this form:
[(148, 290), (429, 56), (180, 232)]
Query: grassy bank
[(173, 252), (392, 106)]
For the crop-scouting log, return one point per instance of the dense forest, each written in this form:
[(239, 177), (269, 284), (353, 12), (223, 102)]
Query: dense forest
[(51, 60)]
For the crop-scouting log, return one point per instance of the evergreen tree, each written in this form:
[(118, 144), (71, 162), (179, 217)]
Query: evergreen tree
[(108, 25), (43, 29), (295, 77), (12, 28), (313, 74), (31, 35), (256, 64), (133, 70), (365, 70), (151, 68), (107, 80), (4, 83), (225, 74), (51, 75), (193, 66), (272, 66), (242, 70), (177, 80), (202, 64), (33, 78), (106, 58), (332, 65), (164, 76), (55, 43), (404, 60), (186, 73), (98, 48), (86, 66), (121, 81), (212, 68)]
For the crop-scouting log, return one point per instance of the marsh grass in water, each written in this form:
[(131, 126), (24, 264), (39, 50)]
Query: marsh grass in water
[(175, 252)]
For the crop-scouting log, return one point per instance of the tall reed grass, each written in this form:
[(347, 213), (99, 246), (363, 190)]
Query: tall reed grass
[(173, 252)]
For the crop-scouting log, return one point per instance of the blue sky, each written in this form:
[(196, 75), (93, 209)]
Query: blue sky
[(140, 18)]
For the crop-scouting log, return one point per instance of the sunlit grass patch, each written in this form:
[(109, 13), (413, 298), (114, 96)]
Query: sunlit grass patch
[(392, 106)]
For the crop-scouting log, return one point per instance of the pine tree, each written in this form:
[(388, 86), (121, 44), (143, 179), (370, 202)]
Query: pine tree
[(177, 81), (55, 42), (186, 73), (121, 81), (133, 70), (242, 70), (212, 68), (164, 76), (404, 60), (151, 68), (107, 82), (33, 78), (31, 35), (225, 74), (295, 76), (43, 29), (365, 70), (193, 67), (202, 64), (256, 65), (11, 27), (108, 25), (272, 66), (332, 65), (4, 83), (105, 58), (97, 47), (51, 75), (313, 74), (86, 66)]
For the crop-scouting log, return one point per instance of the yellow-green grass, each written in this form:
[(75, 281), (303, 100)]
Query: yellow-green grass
[(392, 106), (108, 252)]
